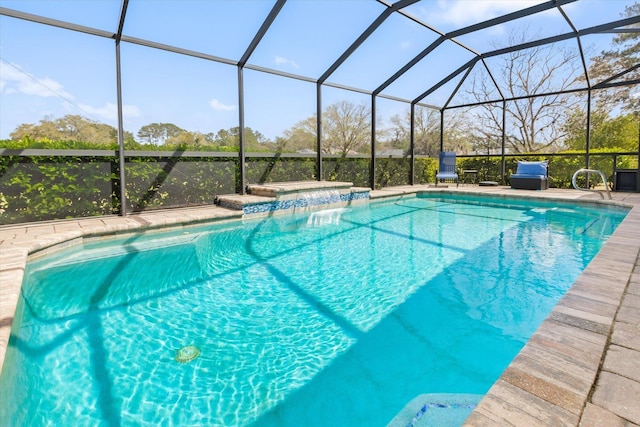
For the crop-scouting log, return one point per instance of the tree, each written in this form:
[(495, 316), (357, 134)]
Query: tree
[(426, 130), (623, 55), (158, 133), (620, 132), (303, 135), (69, 128), (346, 127), (534, 123), (229, 140), (187, 139)]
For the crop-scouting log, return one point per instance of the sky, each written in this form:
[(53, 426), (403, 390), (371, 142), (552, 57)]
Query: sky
[(50, 72)]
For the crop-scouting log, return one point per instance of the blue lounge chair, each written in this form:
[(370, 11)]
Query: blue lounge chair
[(447, 168), (531, 176)]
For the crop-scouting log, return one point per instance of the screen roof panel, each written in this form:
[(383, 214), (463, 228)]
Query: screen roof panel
[(587, 13), (534, 27), (479, 77), (396, 42), (222, 28), (100, 14), (543, 69), (447, 16), (594, 45), (307, 37), (441, 95), (429, 71)]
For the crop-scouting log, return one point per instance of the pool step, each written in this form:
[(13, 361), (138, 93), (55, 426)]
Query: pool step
[(436, 409), (279, 189)]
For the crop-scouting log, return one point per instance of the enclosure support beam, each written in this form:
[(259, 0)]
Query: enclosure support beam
[(585, 70), (319, 131), (592, 30), (611, 80), (123, 182), (588, 141), (364, 36), (458, 86), (121, 162), (441, 129), (240, 179), (482, 25), (275, 10), (347, 53), (638, 174), (412, 142), (435, 87), (372, 173), (503, 142)]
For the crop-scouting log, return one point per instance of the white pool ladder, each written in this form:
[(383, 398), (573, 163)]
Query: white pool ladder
[(587, 171)]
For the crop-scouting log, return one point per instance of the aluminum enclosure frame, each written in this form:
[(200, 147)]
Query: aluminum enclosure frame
[(322, 80)]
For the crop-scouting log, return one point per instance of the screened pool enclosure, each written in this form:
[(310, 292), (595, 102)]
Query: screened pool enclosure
[(121, 106)]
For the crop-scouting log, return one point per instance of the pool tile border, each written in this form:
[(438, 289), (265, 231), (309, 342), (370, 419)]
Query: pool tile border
[(577, 369)]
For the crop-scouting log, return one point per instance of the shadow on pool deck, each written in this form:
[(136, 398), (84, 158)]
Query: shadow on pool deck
[(593, 334)]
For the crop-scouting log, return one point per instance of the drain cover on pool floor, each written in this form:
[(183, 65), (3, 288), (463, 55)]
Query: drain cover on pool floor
[(187, 354)]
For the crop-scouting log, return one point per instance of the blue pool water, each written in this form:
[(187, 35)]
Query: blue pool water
[(334, 318)]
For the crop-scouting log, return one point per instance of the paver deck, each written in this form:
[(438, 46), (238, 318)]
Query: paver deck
[(581, 367)]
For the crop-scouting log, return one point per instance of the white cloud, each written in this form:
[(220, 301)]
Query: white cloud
[(130, 111), (466, 12), (110, 111), (217, 105), (14, 80), (280, 60)]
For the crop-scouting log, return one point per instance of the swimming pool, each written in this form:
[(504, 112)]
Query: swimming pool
[(336, 318)]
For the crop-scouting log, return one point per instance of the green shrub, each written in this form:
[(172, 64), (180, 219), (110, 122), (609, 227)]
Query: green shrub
[(36, 188)]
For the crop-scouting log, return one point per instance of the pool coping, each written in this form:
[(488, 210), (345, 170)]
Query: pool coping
[(580, 367)]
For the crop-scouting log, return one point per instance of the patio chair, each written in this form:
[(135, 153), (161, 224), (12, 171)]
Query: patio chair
[(447, 167), (531, 176)]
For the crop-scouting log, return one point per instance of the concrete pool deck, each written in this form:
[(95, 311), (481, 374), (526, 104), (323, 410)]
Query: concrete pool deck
[(581, 367)]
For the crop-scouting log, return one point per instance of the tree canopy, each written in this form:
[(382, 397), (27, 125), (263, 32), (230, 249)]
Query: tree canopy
[(621, 59), (71, 128)]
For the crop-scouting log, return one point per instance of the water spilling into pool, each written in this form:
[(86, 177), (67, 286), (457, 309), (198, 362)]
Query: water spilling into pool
[(337, 320), (316, 198)]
